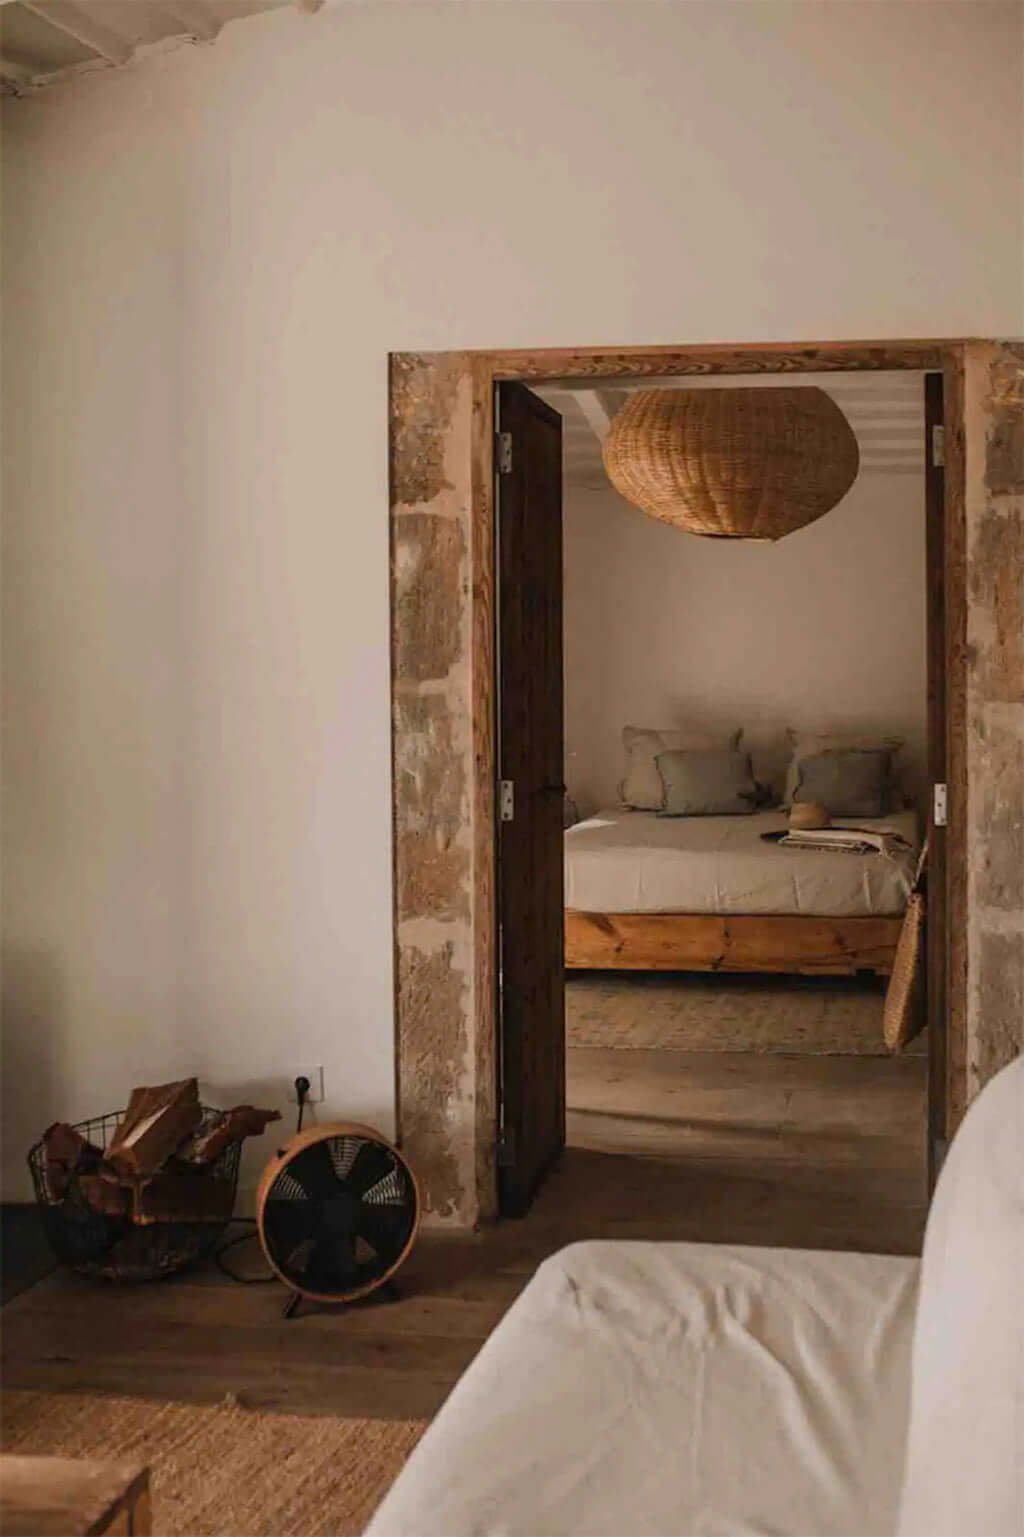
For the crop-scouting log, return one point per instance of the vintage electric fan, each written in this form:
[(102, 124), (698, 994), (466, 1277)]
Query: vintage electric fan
[(337, 1212)]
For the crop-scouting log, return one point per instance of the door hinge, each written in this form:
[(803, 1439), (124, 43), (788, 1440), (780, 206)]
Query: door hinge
[(504, 454), (507, 800), (938, 447), (940, 805), (505, 1149)]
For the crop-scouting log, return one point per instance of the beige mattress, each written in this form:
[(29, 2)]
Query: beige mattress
[(676, 1390), (636, 862)]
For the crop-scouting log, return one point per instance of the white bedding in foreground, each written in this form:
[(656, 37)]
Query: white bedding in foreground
[(676, 1390), (636, 862)]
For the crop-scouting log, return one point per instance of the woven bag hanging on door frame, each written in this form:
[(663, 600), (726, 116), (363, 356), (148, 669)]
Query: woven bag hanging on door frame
[(903, 1012)]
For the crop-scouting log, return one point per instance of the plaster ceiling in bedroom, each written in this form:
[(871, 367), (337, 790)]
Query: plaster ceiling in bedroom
[(44, 40), (885, 410)]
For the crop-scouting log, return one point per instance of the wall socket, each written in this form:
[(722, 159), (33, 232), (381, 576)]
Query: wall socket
[(316, 1085)]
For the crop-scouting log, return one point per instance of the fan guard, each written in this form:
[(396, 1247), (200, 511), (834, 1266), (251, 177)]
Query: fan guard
[(337, 1211)]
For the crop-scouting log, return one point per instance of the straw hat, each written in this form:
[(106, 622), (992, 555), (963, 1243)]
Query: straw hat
[(809, 815)]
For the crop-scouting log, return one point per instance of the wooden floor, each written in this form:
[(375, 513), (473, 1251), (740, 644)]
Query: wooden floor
[(820, 1152), (763, 1109)]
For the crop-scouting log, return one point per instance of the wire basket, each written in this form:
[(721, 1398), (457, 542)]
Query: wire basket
[(119, 1247)]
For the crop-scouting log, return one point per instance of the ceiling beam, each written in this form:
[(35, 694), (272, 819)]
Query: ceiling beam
[(194, 17), (68, 17)]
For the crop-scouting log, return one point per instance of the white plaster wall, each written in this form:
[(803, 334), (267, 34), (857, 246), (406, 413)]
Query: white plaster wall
[(207, 257), (824, 629)]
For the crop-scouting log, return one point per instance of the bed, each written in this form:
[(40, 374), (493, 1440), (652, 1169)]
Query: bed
[(712, 893)]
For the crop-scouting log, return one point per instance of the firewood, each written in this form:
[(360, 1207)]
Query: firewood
[(174, 1196), (104, 1195), (157, 1120), (66, 1153), (234, 1125)]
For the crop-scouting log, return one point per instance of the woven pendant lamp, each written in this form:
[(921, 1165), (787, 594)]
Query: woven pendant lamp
[(732, 463)]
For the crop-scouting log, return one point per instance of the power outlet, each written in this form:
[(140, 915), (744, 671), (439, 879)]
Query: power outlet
[(316, 1085)]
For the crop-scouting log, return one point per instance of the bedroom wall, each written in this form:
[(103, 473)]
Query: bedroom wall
[(207, 257), (825, 628)]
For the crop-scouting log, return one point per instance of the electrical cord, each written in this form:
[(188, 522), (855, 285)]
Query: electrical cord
[(232, 1243), (302, 1087)]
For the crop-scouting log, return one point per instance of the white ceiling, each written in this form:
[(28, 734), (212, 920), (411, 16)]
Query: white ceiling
[(42, 40), (885, 410)]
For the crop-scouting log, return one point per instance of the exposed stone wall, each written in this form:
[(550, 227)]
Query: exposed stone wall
[(995, 708), (443, 880), (439, 1057)]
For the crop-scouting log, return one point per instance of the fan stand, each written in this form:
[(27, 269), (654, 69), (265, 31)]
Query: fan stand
[(387, 1291)]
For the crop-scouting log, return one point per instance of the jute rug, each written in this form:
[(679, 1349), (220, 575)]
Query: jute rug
[(819, 1016), (225, 1471)]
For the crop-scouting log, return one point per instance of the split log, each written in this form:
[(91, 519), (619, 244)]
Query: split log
[(234, 1125), (157, 1120), (66, 1153), (174, 1196), (103, 1195)]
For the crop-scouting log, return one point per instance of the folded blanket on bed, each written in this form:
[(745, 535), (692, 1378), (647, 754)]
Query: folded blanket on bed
[(847, 840)]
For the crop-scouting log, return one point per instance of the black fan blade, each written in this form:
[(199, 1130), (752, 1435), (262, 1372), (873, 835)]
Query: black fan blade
[(313, 1169), (332, 1264), (287, 1225), (371, 1164), (385, 1228)]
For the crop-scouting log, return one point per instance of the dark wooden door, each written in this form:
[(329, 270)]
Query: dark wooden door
[(936, 905), (530, 755)]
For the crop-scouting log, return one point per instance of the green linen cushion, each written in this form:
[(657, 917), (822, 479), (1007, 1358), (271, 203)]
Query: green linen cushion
[(847, 781), (641, 788), (809, 744), (706, 784)]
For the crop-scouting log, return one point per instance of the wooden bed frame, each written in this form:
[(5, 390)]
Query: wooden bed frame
[(706, 942)]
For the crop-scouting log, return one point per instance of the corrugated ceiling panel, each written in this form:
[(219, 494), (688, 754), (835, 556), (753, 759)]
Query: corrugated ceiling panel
[(885, 410), (43, 38)]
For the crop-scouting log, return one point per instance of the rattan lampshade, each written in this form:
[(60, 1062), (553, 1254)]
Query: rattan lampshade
[(732, 463)]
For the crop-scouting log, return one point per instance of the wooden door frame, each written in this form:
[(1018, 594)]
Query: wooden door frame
[(443, 731)]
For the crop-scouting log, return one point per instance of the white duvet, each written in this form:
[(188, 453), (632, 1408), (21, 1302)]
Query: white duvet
[(636, 862), (676, 1390), (709, 1390)]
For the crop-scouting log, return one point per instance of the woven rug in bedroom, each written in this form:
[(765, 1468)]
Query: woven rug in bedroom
[(819, 1016), (225, 1471)]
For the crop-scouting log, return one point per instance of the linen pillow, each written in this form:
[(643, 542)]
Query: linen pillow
[(809, 744), (706, 784), (848, 782), (642, 788)]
